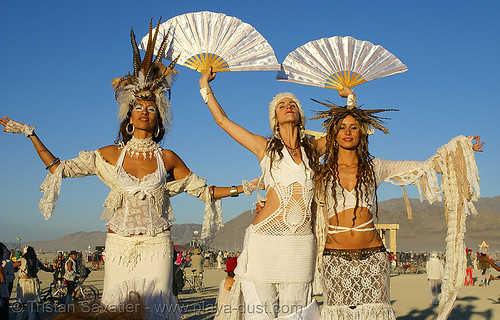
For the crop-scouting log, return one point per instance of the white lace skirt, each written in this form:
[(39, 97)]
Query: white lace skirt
[(28, 290), (140, 265), (356, 289)]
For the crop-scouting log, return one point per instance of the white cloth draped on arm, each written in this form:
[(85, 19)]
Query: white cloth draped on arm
[(82, 166), (459, 188), (197, 187)]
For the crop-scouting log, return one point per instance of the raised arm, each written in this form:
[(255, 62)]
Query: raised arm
[(254, 143), (50, 161), (320, 145)]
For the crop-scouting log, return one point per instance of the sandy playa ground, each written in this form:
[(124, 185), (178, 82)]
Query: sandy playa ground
[(409, 295)]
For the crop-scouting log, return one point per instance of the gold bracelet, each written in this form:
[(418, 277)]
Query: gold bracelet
[(233, 191)]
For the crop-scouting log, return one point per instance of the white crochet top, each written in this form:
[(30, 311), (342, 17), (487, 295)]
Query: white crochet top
[(137, 215), (293, 185)]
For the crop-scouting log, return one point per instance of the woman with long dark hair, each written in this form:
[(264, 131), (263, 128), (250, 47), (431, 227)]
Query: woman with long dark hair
[(351, 256), (28, 287), (142, 177)]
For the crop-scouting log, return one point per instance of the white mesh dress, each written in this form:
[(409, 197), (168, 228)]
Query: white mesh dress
[(275, 269), (138, 256), (356, 286)]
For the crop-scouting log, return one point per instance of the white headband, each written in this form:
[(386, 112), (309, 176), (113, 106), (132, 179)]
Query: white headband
[(272, 109)]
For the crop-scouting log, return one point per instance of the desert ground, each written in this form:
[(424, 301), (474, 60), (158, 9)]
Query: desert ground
[(409, 295)]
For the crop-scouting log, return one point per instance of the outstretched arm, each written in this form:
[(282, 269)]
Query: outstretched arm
[(253, 142), (45, 155), (44, 268), (179, 170), (493, 264)]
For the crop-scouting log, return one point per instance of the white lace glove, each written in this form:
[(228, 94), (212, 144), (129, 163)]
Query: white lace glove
[(251, 186), (18, 127)]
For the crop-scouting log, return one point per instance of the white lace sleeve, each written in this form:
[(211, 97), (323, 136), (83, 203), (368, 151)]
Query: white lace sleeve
[(82, 166), (197, 187), (250, 186), (459, 188)]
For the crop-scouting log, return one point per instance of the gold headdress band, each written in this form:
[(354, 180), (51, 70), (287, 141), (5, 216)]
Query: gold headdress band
[(337, 112), (150, 80)]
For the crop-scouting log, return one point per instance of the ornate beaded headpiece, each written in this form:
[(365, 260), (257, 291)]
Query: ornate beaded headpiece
[(150, 81)]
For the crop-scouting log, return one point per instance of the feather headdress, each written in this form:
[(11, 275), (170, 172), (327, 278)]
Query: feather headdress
[(336, 113), (150, 81)]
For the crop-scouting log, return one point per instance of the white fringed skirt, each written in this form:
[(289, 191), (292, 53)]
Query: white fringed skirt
[(28, 290), (140, 265)]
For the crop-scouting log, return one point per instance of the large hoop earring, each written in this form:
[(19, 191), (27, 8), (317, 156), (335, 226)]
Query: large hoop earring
[(128, 130), (157, 132)]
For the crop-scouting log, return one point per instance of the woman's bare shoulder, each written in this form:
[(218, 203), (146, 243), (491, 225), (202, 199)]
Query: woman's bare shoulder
[(170, 155), (228, 283), (174, 164), (110, 153)]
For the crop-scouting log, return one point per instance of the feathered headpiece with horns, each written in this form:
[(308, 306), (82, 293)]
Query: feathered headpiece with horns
[(336, 113), (150, 80)]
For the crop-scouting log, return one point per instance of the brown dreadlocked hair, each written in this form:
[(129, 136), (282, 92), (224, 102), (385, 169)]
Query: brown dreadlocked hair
[(329, 170)]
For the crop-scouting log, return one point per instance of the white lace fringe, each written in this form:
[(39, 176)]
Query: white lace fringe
[(375, 311), (460, 188)]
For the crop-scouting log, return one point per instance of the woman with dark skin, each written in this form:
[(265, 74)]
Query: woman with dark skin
[(142, 177)]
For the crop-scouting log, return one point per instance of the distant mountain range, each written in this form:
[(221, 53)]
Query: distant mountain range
[(426, 232)]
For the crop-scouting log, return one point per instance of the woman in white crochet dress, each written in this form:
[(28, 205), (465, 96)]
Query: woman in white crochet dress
[(276, 268), (352, 259), (142, 177)]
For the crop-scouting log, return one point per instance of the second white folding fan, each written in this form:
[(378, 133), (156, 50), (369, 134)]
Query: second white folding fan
[(338, 62), (204, 39)]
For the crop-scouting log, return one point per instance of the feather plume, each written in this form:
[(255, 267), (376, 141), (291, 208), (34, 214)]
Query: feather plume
[(336, 112)]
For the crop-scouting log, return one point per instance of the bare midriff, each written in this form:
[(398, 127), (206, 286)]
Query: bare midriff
[(352, 239), (273, 203)]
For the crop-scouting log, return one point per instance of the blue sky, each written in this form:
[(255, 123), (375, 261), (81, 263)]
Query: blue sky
[(58, 58)]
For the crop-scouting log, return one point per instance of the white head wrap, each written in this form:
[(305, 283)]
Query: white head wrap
[(272, 109)]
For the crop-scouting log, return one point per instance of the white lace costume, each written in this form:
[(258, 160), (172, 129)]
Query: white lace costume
[(138, 255), (28, 288), (277, 260), (358, 288)]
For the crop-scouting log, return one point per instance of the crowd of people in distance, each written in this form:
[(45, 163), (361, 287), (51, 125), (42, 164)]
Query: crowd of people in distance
[(67, 268)]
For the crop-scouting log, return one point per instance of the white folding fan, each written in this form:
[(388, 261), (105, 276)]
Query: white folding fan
[(338, 62), (204, 39)]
